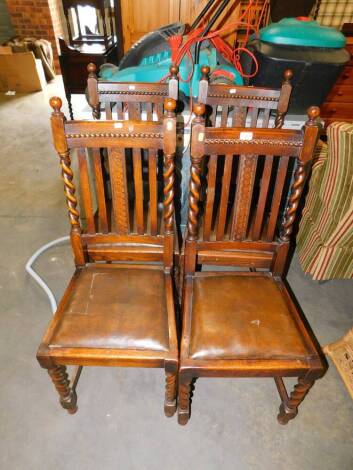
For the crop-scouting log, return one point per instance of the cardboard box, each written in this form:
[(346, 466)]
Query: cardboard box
[(20, 72), (5, 50)]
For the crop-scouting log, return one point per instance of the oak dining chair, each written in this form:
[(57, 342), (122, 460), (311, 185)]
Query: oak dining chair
[(118, 309), (244, 106), (241, 321), (240, 106), (133, 100)]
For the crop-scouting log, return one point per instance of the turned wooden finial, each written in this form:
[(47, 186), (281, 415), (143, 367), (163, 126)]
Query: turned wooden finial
[(288, 75), (56, 103), (91, 68), (313, 115), (174, 70), (169, 106), (199, 110), (205, 70)]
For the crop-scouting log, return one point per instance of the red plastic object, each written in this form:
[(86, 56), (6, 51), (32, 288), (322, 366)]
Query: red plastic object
[(223, 48), (223, 73), (175, 43), (303, 18)]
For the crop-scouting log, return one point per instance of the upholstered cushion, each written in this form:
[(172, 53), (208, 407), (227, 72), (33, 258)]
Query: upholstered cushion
[(237, 316), (325, 237), (115, 308)]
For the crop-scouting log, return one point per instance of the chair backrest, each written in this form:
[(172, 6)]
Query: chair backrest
[(130, 99), (244, 106), (136, 223), (238, 223)]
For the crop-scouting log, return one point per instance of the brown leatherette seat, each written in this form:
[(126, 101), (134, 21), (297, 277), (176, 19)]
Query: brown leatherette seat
[(238, 317), (115, 308)]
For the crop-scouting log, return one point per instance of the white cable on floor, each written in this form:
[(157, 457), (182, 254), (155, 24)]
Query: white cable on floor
[(36, 276)]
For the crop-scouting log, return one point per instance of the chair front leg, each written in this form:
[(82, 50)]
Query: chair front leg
[(170, 394), (289, 407), (184, 400), (68, 397)]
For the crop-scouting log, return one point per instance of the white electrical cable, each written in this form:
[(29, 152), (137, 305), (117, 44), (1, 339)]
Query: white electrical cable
[(36, 276), (185, 149)]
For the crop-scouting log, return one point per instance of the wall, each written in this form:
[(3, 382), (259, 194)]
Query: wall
[(36, 18), (163, 12), (6, 29), (58, 18)]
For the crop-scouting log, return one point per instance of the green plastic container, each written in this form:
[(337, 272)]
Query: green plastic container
[(304, 32)]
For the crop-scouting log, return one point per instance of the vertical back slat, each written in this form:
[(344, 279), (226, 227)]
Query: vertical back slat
[(243, 197), (134, 112), (86, 190), (239, 116), (98, 173), (223, 206), (120, 198), (224, 115), (149, 111), (266, 117), (138, 184), (153, 190), (254, 112), (265, 182), (159, 109), (211, 183), (108, 110), (277, 195)]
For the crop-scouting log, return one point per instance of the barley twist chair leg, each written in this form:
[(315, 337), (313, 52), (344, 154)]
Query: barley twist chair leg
[(68, 397), (184, 401), (170, 394), (289, 408)]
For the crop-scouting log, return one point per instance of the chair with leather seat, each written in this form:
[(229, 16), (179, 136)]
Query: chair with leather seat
[(118, 309), (241, 106), (133, 100), (244, 106), (241, 320)]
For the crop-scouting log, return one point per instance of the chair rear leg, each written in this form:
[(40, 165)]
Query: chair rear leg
[(181, 273), (184, 400), (289, 407), (170, 394), (68, 397)]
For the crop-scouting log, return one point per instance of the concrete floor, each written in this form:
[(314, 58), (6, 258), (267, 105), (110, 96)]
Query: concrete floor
[(120, 423)]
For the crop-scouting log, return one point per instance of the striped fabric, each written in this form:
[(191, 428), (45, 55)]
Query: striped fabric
[(325, 238)]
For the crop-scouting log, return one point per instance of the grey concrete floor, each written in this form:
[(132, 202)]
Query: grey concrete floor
[(120, 423)]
